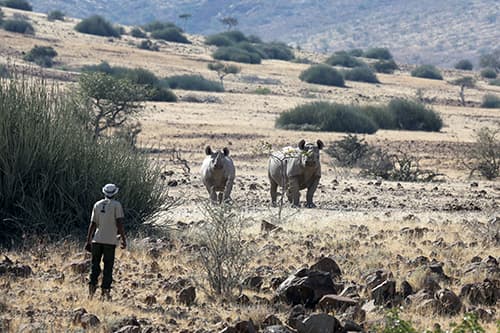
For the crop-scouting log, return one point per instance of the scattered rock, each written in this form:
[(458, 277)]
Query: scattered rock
[(80, 267), (7, 266), (375, 278), (306, 287), (384, 293), (277, 329), (77, 315), (243, 300), (338, 303), (319, 323), (125, 322), (271, 320), (150, 300), (328, 265), (187, 296), (296, 315), (266, 227), (129, 329), (448, 302), (245, 326), (405, 289), (483, 293), (253, 282), (89, 320)]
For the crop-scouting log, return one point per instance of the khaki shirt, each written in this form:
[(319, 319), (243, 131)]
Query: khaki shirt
[(104, 214)]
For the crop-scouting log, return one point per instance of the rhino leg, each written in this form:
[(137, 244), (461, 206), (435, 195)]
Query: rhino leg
[(227, 190), (274, 191), (310, 192), (213, 194), (293, 192)]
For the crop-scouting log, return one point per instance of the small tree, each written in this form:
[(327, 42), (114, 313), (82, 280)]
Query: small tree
[(464, 64), (185, 17), (491, 60), (112, 100), (55, 15), (17, 4), (223, 70), (484, 157), (464, 82), (229, 21)]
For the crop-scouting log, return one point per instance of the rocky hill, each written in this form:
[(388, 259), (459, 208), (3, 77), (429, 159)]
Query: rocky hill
[(427, 31)]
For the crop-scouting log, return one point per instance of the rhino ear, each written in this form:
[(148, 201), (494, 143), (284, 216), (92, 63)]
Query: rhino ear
[(208, 150), (320, 144), (226, 151), (302, 144)]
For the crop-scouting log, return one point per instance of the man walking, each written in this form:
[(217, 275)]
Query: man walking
[(106, 222)]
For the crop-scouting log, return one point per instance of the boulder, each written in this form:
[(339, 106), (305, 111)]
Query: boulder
[(448, 302), (384, 293), (482, 293), (320, 323), (253, 282), (306, 287), (405, 289), (128, 329), (375, 278), (80, 267), (296, 315), (124, 322), (336, 303), (245, 326), (16, 269), (187, 296), (89, 320), (277, 329), (329, 265), (271, 320)]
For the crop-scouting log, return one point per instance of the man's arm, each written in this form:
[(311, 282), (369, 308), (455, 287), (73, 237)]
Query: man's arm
[(121, 231), (90, 234)]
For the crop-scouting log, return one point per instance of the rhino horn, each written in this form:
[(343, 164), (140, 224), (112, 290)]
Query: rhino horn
[(208, 150), (302, 144), (226, 151), (320, 144)]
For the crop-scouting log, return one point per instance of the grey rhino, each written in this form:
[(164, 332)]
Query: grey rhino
[(217, 174), (295, 169)]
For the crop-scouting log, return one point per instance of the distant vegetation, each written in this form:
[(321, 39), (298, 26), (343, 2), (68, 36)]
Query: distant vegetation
[(166, 31), (495, 82), (385, 66), (223, 70), (464, 64), (19, 26), (193, 82), (157, 89), (17, 4), (491, 60), (41, 55), (323, 74), (342, 58), (490, 101), (361, 74), (398, 114), (55, 15), (428, 72), (235, 46), (148, 45), (380, 53), (97, 25), (138, 33), (489, 73)]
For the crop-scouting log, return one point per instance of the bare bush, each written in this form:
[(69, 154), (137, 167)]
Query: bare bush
[(484, 156), (224, 254), (348, 151)]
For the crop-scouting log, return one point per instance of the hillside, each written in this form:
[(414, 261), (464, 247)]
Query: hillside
[(437, 32), (428, 249)]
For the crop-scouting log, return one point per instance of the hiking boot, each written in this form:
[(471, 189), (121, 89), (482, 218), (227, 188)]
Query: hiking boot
[(106, 295), (92, 290)]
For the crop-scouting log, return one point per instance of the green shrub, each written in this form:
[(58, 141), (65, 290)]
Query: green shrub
[(344, 59), (355, 52), (381, 53), (361, 74), (490, 101), (464, 64), (227, 38), (495, 82), (20, 26), (322, 74), (171, 35), (52, 170), (428, 72), (489, 73), (18, 4), (381, 116), (415, 116), (232, 53), (148, 45), (157, 25), (55, 15), (4, 71), (324, 116), (276, 50), (138, 33), (262, 91), (41, 55), (193, 82), (385, 66), (157, 91), (97, 25)]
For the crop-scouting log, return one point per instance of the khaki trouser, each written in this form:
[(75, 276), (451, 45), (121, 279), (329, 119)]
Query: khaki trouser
[(106, 252)]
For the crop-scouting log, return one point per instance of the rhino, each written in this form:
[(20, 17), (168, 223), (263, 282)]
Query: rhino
[(217, 174), (295, 169)]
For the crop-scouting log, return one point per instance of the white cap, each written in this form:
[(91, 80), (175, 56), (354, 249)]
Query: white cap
[(110, 190)]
